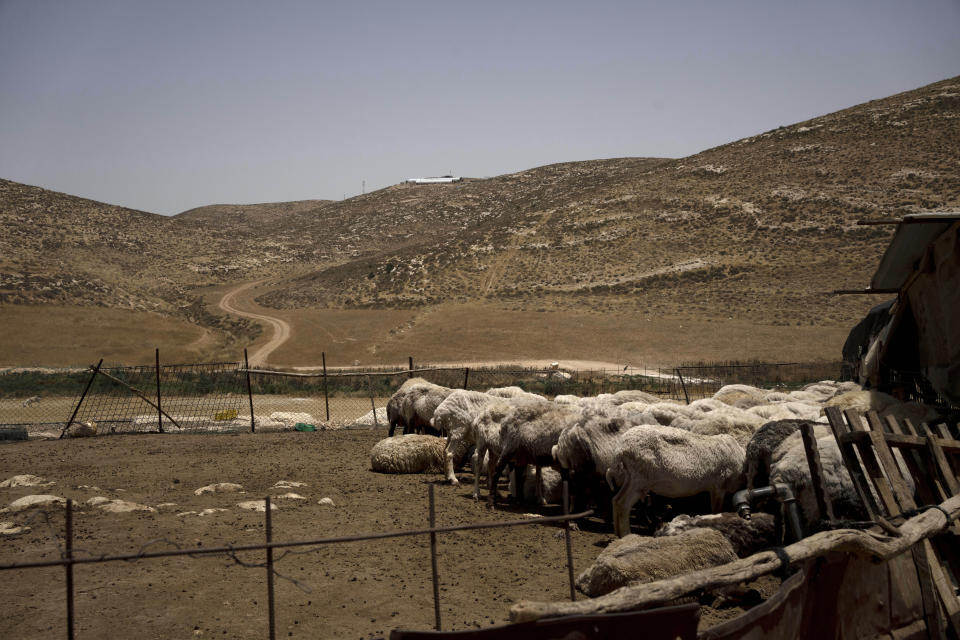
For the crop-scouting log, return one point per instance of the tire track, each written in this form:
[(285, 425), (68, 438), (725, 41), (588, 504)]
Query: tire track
[(281, 328)]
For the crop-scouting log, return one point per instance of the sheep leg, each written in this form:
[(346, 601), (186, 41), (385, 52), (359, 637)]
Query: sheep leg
[(476, 473), (541, 499), (494, 471), (623, 502), (451, 476)]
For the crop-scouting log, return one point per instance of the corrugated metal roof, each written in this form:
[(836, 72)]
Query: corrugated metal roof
[(914, 234)]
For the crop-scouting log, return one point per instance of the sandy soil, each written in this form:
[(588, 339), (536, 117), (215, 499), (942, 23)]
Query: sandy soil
[(361, 589), (357, 590)]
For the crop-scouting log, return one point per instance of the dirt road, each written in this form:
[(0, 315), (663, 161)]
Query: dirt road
[(281, 328)]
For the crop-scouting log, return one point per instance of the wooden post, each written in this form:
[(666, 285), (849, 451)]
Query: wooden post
[(159, 410), (326, 393), (466, 376), (433, 561), (83, 395), (246, 365), (69, 567), (270, 597), (410, 359)]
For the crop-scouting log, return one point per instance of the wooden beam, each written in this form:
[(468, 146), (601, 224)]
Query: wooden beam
[(651, 594)]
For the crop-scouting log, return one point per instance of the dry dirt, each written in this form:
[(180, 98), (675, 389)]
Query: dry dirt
[(360, 589)]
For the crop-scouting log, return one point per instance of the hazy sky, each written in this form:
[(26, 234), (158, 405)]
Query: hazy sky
[(168, 105)]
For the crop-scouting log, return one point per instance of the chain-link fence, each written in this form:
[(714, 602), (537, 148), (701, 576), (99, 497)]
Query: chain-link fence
[(125, 399), (224, 397)]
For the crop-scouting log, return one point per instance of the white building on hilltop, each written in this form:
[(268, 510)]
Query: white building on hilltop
[(434, 180)]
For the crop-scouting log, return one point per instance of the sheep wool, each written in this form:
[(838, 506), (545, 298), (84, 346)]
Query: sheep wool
[(637, 559), (411, 453), (746, 536)]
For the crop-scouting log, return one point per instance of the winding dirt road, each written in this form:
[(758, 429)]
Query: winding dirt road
[(281, 328)]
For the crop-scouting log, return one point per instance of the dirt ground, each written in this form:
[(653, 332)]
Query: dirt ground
[(359, 589)]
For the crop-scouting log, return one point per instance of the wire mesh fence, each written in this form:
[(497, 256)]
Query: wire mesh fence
[(228, 397)]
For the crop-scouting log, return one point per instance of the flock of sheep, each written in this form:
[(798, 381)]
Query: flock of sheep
[(618, 449)]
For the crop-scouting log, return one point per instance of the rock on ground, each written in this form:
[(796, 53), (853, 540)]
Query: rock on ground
[(219, 487), (25, 480), (256, 505), (367, 419), (28, 502)]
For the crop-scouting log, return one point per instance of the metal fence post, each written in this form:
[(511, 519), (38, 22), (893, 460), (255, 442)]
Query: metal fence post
[(566, 534), (684, 385), (159, 411), (326, 394), (466, 376), (83, 395), (69, 567), (246, 366), (373, 405), (270, 608), (410, 360), (433, 561)]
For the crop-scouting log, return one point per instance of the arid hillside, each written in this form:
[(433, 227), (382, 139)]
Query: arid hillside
[(759, 228), (755, 232)]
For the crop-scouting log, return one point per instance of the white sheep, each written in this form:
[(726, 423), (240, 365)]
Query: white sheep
[(411, 453), (454, 417), (790, 466), (413, 405), (513, 392), (528, 435), (672, 463)]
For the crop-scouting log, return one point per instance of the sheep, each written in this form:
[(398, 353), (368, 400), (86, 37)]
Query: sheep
[(528, 435), (862, 401), (634, 559), (513, 392), (790, 466), (746, 536), (454, 417), (672, 463), (398, 399), (567, 399), (413, 405), (731, 394), (737, 423), (411, 453), (586, 450), (486, 433), (631, 395), (764, 442)]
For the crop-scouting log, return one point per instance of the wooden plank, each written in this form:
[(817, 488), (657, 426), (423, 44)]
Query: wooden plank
[(860, 483), (923, 555), (884, 454), (950, 446), (824, 504), (872, 467), (908, 427), (919, 467)]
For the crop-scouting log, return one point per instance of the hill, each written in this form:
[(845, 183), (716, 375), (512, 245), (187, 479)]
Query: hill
[(755, 231), (759, 228)]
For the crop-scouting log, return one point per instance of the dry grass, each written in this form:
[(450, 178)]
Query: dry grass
[(61, 335), (472, 332)]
